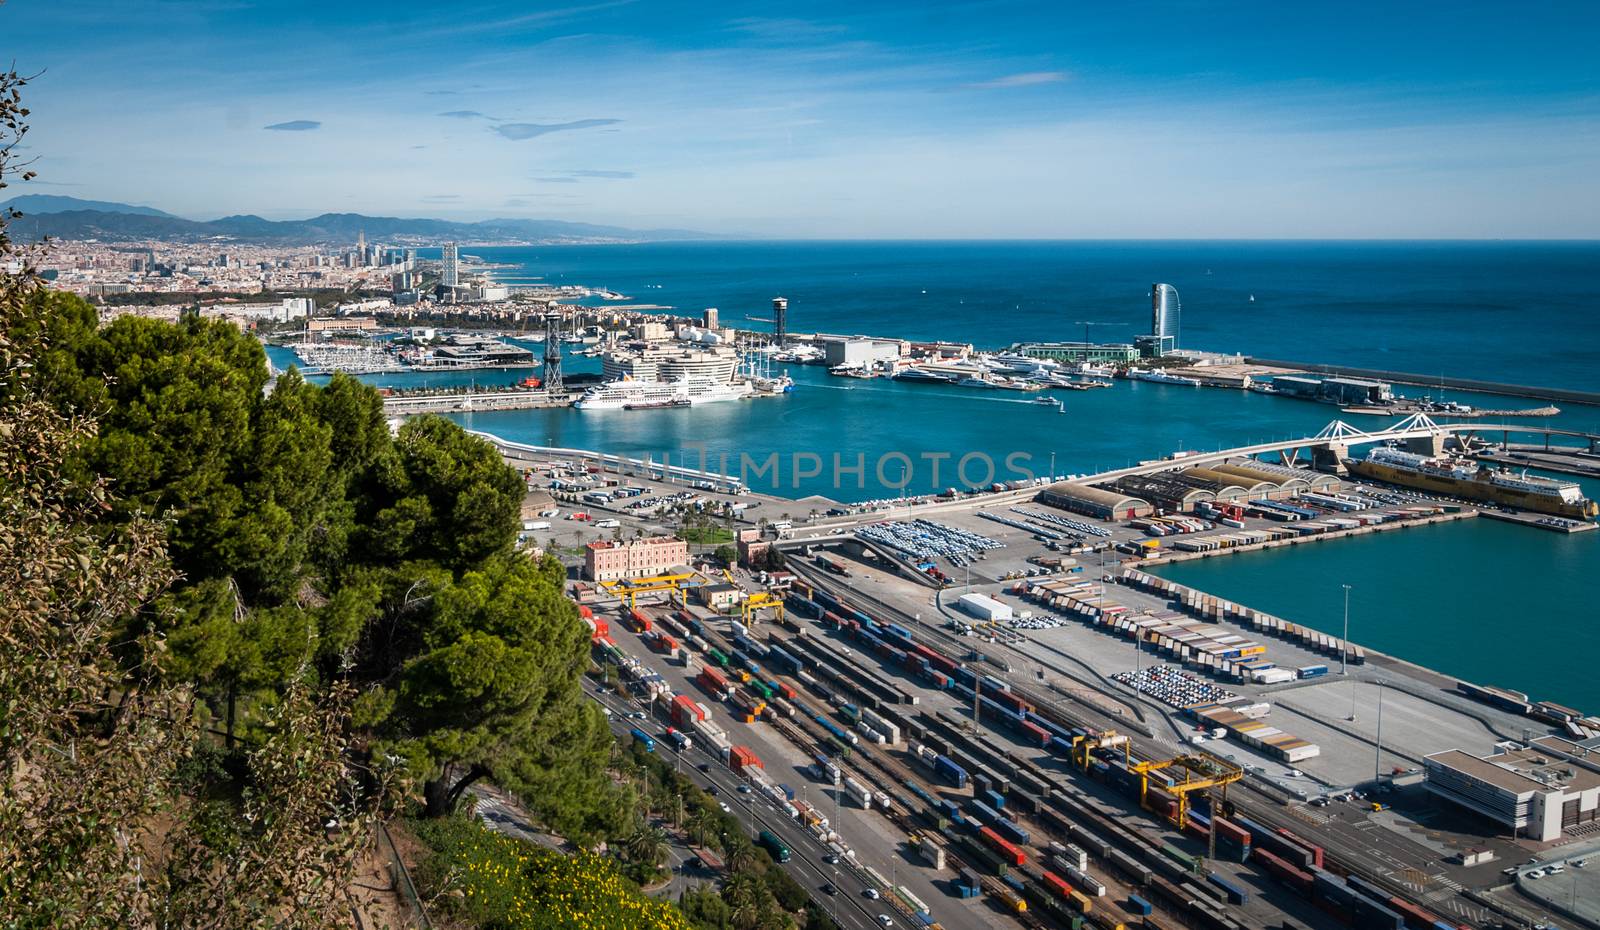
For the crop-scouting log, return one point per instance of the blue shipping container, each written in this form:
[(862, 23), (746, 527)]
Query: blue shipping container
[(1138, 905)]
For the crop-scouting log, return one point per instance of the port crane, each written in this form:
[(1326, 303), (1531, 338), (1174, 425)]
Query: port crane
[(1200, 773), (755, 602), (674, 585), (1084, 746)]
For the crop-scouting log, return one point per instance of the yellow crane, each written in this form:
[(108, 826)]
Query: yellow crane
[(757, 601), (1083, 746), (1200, 773), (631, 588)]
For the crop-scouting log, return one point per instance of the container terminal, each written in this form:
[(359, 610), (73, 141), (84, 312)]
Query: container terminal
[(1002, 677)]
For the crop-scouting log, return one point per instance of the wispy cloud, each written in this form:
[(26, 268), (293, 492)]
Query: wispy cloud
[(441, 93), (295, 125), (466, 114), (597, 173), (1025, 79), (441, 198), (784, 29), (520, 131), (414, 147), (566, 180)]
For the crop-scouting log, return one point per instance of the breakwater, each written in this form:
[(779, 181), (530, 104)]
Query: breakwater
[(1591, 398)]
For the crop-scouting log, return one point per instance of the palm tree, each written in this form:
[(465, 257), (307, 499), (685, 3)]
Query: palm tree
[(647, 846), (743, 894), (703, 828), (742, 854)]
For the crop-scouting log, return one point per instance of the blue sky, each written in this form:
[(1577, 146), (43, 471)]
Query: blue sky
[(979, 119)]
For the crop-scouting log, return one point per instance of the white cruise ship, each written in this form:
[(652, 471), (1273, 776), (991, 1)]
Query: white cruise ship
[(629, 394)]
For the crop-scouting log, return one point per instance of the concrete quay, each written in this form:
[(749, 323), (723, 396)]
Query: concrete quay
[(400, 405)]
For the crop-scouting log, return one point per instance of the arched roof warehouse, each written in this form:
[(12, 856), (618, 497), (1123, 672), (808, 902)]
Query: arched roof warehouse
[(1094, 502)]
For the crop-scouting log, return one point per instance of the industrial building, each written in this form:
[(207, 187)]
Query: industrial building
[(1094, 502), (1342, 391), (1250, 488), (1165, 491), (1540, 790), (858, 351), (1222, 491), (1289, 480), (605, 560), (719, 596), (984, 607)]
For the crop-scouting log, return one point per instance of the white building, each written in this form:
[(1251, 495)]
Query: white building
[(1539, 790), (858, 351), (984, 607)]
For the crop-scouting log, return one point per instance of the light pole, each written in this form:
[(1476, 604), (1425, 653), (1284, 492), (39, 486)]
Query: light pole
[(1344, 654), (1377, 760)]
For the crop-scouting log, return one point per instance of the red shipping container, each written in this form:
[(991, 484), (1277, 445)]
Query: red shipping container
[(1056, 884), (1316, 851), (1286, 872), (1230, 830)]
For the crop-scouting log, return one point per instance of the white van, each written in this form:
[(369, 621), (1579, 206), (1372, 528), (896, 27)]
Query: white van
[(607, 524)]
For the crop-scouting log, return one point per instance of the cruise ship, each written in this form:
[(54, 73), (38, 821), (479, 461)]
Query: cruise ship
[(1460, 477), (629, 394)]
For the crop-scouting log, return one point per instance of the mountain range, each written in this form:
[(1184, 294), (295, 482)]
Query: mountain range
[(71, 218)]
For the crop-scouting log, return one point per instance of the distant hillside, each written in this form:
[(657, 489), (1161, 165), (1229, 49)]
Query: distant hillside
[(56, 203), (69, 218)]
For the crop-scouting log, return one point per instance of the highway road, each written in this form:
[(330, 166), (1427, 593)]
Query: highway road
[(849, 906)]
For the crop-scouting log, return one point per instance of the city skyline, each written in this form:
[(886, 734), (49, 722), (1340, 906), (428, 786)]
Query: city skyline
[(974, 120)]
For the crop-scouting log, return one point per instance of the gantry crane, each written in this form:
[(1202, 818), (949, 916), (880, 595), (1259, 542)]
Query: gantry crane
[(631, 588), (1084, 746), (1200, 773), (757, 601)]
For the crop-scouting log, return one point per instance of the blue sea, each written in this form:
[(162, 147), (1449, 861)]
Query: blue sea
[(1512, 312)]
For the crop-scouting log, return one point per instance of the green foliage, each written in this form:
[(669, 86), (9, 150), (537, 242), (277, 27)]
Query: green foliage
[(442, 495), (500, 883)]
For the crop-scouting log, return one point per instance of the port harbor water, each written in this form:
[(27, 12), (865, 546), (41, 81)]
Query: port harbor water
[(1225, 648)]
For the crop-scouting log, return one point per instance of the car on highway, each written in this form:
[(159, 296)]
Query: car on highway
[(1379, 806), (725, 808), (744, 789), (885, 920), (1535, 874), (705, 766), (871, 893), (830, 888), (831, 859)]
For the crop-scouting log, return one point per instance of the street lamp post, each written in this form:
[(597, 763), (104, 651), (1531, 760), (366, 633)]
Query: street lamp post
[(1344, 654), (1377, 760)]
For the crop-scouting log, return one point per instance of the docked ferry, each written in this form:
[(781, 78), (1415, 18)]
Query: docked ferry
[(640, 395), (1460, 477)]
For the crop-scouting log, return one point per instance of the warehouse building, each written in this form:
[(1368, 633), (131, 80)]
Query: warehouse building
[(985, 608), (1094, 502), (1254, 489), (1164, 491), (1287, 478), (1221, 491), (1539, 791)]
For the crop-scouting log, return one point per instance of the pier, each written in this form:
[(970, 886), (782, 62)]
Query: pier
[(400, 405)]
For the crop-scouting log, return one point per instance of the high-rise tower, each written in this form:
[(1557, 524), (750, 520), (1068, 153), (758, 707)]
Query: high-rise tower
[(450, 266), (780, 325), (1165, 316)]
